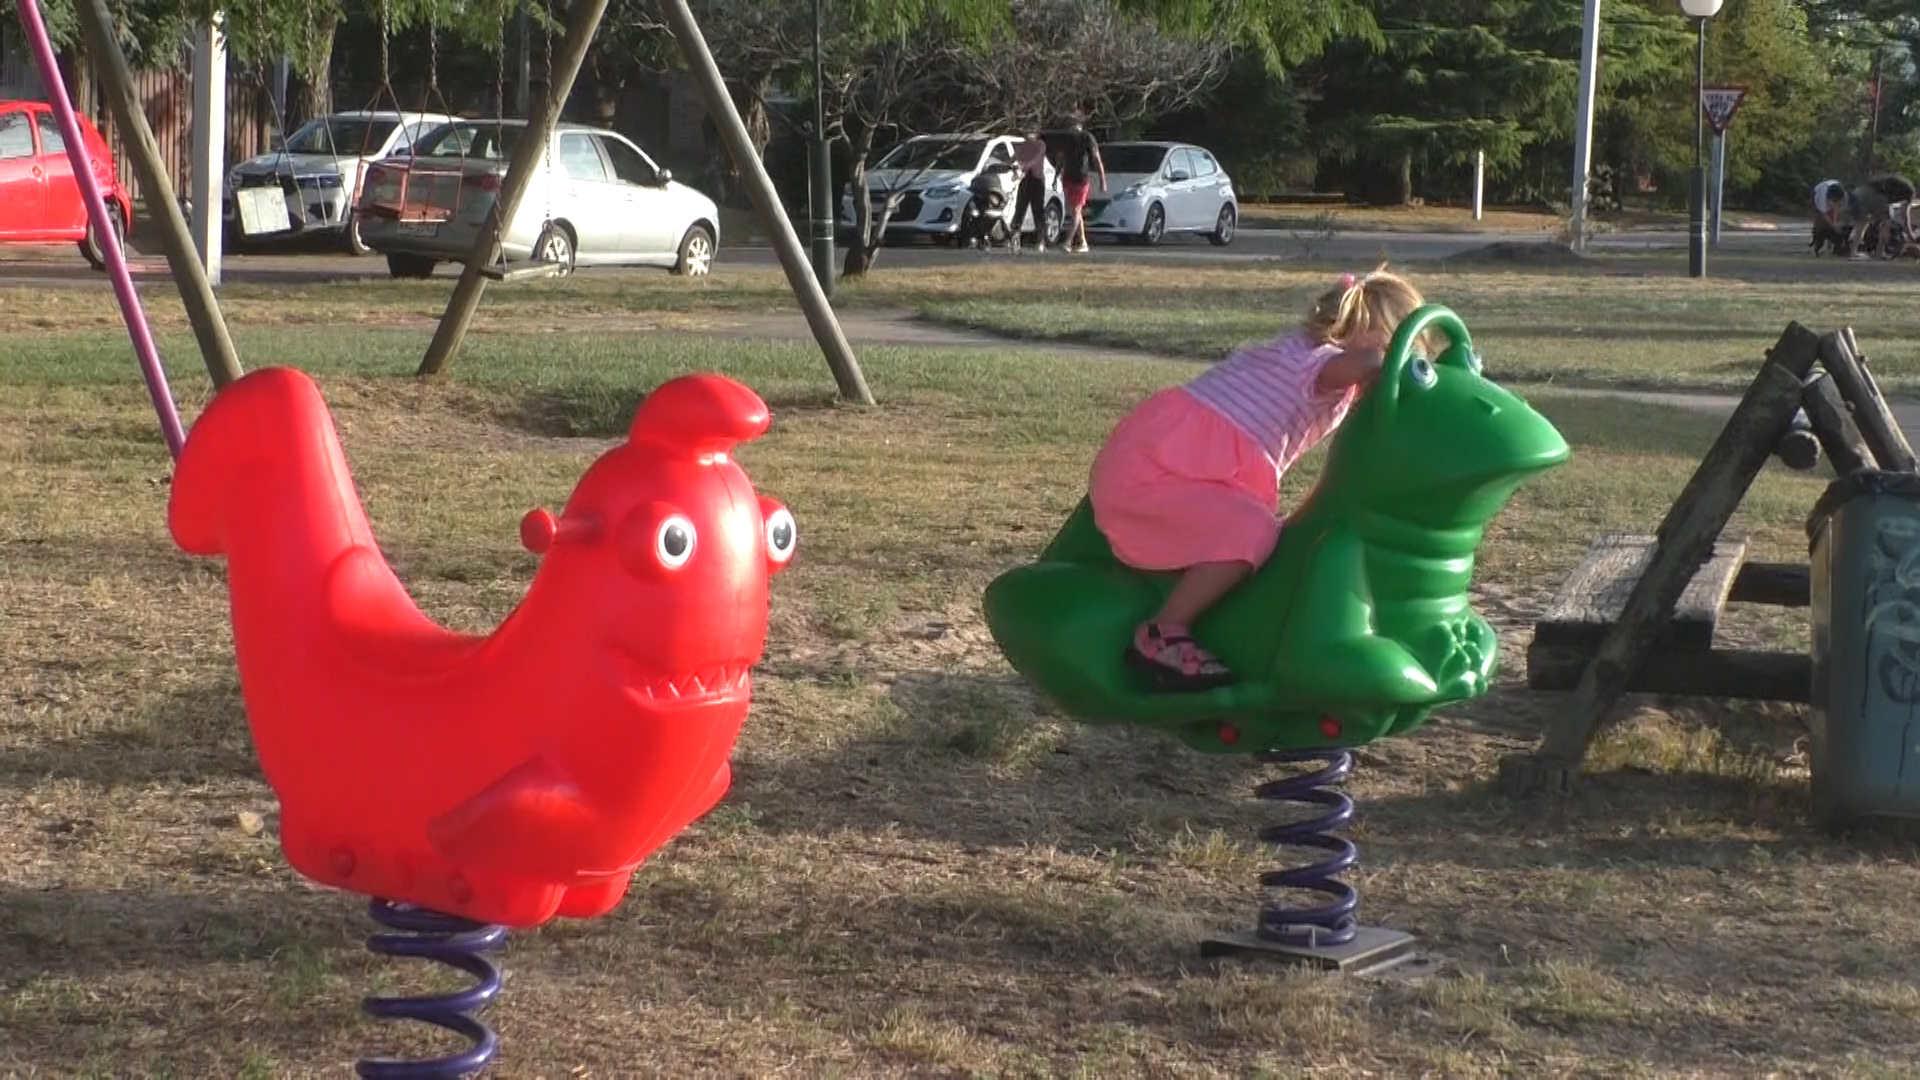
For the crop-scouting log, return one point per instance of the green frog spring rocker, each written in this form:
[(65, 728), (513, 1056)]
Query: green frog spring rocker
[(1357, 628)]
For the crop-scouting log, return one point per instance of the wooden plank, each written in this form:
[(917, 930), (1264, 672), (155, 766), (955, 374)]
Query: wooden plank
[(1870, 412), (1873, 388), (1591, 599), (1833, 423), (1684, 540), (1777, 584), (1716, 673)]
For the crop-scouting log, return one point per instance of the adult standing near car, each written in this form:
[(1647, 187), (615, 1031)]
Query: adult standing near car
[(1030, 153), (1080, 152), (1829, 204), (1873, 204)]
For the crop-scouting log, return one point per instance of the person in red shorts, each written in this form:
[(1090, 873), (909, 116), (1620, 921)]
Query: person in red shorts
[(1080, 159)]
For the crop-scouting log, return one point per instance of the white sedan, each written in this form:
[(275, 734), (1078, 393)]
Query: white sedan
[(594, 200), (1156, 188)]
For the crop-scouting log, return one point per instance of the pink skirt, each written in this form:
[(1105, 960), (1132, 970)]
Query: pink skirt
[(1177, 484)]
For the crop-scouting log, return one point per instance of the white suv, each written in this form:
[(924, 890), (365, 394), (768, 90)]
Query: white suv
[(311, 183), (931, 175)]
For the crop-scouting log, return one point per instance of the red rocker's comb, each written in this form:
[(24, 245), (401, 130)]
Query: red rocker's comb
[(700, 414)]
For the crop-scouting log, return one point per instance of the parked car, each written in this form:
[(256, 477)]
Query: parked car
[(933, 177), (40, 201), (1156, 188), (595, 199), (316, 173)]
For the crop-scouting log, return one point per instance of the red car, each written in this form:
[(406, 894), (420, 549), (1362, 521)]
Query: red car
[(39, 199)]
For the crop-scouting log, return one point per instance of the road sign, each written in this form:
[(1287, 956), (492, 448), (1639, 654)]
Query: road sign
[(1721, 102)]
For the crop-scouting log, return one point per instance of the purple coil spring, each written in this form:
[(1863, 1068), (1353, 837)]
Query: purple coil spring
[(1331, 924), (457, 943)]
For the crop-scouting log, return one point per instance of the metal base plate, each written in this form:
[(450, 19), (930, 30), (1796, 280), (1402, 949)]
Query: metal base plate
[(1373, 951)]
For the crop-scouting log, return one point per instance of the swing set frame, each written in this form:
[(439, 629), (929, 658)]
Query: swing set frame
[(190, 275)]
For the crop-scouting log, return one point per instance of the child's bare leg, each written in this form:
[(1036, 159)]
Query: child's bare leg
[(1200, 588), (1165, 643)]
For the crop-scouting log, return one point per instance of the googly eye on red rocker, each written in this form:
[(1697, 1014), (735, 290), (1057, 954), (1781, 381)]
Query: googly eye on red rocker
[(783, 534), (657, 538)]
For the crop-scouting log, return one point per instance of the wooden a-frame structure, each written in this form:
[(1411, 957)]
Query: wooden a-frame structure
[(1639, 613)]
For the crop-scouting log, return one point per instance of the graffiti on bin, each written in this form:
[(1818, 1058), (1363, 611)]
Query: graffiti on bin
[(1893, 609)]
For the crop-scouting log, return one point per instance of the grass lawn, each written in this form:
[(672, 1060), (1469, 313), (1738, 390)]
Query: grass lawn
[(1315, 217), (1618, 320), (920, 869), (1623, 322)]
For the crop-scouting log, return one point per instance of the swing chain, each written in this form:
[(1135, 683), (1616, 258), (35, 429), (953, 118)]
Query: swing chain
[(559, 108), (433, 50)]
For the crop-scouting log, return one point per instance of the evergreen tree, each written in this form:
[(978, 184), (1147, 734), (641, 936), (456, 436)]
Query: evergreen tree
[(1446, 79)]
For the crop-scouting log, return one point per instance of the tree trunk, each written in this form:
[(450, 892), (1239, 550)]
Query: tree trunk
[(861, 253), (607, 87), (82, 81), (750, 97), (315, 69), (1406, 178)]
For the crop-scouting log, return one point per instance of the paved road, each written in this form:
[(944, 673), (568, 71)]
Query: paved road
[(61, 264)]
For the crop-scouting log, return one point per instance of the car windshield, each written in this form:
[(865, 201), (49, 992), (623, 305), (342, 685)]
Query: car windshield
[(1122, 158), (930, 154), (341, 135), (486, 141)]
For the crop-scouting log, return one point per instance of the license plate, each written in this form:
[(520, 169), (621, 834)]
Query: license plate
[(418, 228)]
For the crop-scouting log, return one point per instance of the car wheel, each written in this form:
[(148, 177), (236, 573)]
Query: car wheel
[(1056, 222), (1156, 226), (1224, 227), (410, 266), (355, 245), (555, 246), (94, 251), (696, 253)]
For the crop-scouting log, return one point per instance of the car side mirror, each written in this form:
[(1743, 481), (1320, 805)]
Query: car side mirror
[(1179, 176), (663, 177)]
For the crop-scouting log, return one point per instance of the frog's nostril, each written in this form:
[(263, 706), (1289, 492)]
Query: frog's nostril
[(1492, 406)]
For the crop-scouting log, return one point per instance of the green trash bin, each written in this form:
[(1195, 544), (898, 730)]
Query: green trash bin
[(1865, 555)]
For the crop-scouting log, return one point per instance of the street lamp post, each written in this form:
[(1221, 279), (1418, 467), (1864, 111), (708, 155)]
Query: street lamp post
[(1700, 11), (820, 170)]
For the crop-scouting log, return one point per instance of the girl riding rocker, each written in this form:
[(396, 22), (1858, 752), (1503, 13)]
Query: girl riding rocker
[(1190, 480)]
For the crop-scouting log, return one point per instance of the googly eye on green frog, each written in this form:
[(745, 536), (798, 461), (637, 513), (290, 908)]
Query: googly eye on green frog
[(1420, 370)]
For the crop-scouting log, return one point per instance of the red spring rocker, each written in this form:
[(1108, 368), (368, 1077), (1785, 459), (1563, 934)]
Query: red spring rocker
[(472, 783)]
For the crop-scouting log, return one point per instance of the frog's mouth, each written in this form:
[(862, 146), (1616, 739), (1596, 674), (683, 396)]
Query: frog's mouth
[(1474, 497)]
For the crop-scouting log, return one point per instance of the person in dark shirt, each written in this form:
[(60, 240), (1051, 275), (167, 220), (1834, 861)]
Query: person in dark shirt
[(1873, 205), (1080, 159)]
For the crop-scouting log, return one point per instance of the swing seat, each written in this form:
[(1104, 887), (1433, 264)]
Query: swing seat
[(524, 272), (1358, 626)]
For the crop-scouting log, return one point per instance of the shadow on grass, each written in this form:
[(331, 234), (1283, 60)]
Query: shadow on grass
[(968, 759), (598, 411), (76, 933), (183, 737)]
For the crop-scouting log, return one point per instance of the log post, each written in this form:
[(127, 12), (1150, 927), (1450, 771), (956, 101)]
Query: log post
[(1838, 435), (196, 292), (1870, 412), (582, 23), (1684, 541)]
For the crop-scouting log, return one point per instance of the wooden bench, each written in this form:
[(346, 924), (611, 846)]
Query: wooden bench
[(1683, 659)]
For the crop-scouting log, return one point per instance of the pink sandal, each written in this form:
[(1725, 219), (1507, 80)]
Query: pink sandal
[(1173, 660)]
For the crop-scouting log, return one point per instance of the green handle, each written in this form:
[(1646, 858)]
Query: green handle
[(1424, 318)]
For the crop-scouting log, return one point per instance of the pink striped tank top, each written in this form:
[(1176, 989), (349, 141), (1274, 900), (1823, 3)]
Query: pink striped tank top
[(1267, 391)]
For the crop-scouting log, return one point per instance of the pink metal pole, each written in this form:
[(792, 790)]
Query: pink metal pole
[(130, 309)]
